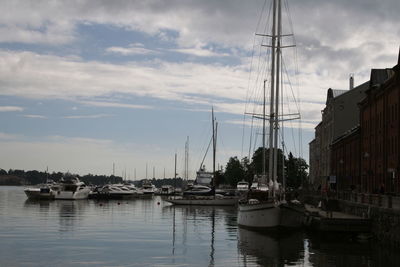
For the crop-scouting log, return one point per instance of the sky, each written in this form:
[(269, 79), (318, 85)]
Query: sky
[(85, 84)]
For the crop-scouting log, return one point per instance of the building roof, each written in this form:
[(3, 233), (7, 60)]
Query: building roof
[(379, 76), (338, 92), (332, 93)]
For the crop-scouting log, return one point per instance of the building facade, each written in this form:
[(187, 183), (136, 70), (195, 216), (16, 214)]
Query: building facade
[(346, 161), (380, 112), (340, 115)]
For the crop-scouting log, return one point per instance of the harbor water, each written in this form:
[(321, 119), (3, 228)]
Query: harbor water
[(150, 232)]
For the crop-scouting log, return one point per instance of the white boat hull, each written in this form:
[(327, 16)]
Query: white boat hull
[(36, 193), (260, 215), (69, 195), (210, 201)]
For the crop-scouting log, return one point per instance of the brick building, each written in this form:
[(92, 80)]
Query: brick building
[(379, 116), (345, 164)]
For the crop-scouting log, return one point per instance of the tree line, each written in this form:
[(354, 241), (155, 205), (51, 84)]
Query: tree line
[(295, 169), (295, 172), (21, 177)]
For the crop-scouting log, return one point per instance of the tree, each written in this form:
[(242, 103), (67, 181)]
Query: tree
[(296, 173), (257, 162), (3, 172), (248, 170), (234, 171)]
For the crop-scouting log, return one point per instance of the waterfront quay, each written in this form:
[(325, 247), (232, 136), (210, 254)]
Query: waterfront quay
[(380, 212)]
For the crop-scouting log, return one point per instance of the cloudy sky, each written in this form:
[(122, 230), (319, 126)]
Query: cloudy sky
[(85, 84)]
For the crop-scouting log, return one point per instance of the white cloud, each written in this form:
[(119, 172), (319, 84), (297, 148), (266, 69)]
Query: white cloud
[(95, 116), (114, 105), (199, 52), (10, 108), (133, 49), (34, 116)]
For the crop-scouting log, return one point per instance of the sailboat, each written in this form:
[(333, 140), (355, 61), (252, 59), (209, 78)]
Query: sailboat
[(261, 209), (211, 198)]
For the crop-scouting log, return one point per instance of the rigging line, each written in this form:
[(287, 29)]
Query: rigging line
[(262, 68), (204, 141), (248, 84), (259, 67), (251, 134), (290, 84), (204, 157), (287, 96), (297, 82)]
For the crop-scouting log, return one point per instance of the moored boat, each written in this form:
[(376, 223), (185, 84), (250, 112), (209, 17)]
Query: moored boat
[(43, 191), (215, 200), (116, 191), (71, 188), (200, 193), (262, 207)]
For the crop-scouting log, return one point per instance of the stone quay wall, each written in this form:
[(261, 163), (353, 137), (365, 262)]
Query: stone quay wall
[(383, 210)]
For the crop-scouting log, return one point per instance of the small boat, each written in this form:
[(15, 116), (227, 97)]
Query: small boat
[(242, 186), (71, 188), (198, 190), (42, 191), (116, 191), (167, 190), (148, 188)]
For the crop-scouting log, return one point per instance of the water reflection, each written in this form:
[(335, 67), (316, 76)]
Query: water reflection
[(270, 249), (201, 223), (70, 212), (346, 250)]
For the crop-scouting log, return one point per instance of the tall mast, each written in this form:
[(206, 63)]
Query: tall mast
[(263, 140), (271, 113), (175, 168), (213, 140), (278, 69), (186, 174)]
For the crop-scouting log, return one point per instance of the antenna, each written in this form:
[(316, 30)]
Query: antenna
[(351, 81)]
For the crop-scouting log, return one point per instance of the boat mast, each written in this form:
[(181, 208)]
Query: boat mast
[(271, 113), (263, 140), (214, 145), (278, 67)]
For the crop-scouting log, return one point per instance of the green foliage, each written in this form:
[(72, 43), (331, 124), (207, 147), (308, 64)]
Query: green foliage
[(296, 171), (234, 171), (257, 162)]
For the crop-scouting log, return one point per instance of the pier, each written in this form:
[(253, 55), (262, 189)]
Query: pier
[(335, 221)]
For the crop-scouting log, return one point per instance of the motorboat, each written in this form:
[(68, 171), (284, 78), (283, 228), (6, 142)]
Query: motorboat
[(117, 191), (242, 186), (148, 188), (71, 188), (198, 190), (167, 190), (42, 191)]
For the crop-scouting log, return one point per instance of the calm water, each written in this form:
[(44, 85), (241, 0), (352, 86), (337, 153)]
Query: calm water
[(143, 233)]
